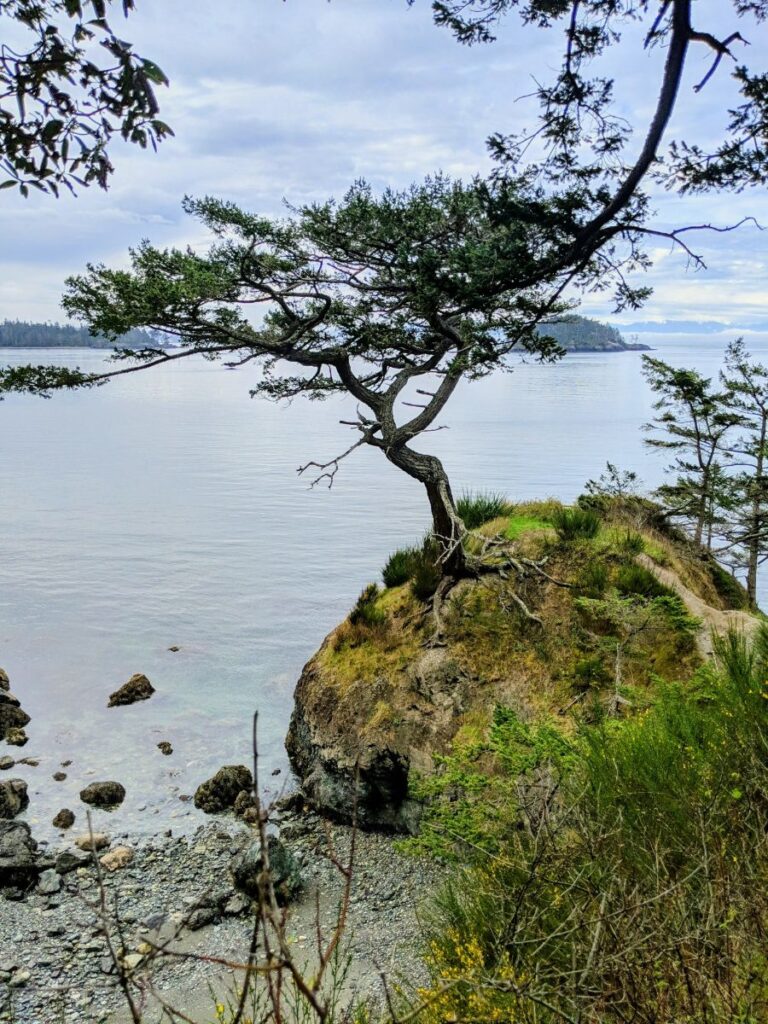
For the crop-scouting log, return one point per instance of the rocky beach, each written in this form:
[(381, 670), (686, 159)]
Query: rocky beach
[(55, 963)]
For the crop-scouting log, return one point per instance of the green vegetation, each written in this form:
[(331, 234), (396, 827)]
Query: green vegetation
[(576, 523), (476, 509), (522, 523), (366, 611), (615, 875), (582, 334), (417, 565)]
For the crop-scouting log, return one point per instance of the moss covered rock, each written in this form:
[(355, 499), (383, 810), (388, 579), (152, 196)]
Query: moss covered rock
[(569, 627)]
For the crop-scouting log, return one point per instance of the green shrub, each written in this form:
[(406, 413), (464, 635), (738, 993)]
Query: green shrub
[(631, 542), (400, 566), (475, 509), (590, 671), (728, 587), (620, 880), (575, 523), (593, 579), (633, 579), (366, 612)]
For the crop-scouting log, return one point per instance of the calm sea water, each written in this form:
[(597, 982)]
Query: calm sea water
[(165, 509)]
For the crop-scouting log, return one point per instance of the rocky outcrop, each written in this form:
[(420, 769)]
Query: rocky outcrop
[(103, 794), (13, 798), (12, 716), (19, 865), (354, 751), (221, 792), (137, 688)]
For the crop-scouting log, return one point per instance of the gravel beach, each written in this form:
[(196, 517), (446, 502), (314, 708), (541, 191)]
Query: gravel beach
[(54, 963)]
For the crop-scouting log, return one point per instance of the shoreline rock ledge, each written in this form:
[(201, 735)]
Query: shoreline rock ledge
[(353, 745)]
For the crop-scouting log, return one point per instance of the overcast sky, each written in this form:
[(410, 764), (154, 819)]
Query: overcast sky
[(293, 100)]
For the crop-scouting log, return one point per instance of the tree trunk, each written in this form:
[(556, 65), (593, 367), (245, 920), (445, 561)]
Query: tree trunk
[(756, 515), (448, 528)]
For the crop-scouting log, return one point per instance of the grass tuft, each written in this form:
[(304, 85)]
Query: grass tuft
[(476, 509), (576, 524)]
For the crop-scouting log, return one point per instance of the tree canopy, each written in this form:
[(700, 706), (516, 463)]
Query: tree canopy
[(66, 88), (581, 131)]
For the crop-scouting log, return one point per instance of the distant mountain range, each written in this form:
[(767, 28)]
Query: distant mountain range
[(19, 334), (691, 326), (581, 334)]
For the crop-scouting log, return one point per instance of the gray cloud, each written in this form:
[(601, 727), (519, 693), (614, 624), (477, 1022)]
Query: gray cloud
[(274, 101)]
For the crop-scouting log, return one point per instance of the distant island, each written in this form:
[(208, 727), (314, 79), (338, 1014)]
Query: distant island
[(20, 334), (574, 333), (581, 334)]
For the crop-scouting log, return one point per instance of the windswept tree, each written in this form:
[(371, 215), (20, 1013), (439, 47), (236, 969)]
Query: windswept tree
[(746, 383), (392, 300), (692, 424), (68, 84)]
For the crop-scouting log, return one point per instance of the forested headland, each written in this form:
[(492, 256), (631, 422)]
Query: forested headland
[(24, 334), (582, 334)]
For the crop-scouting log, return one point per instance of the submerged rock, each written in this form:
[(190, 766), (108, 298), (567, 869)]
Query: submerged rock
[(220, 793), (15, 736), (18, 855), (137, 688), (59, 776), (64, 819), (103, 794), (13, 798), (284, 869), (165, 747)]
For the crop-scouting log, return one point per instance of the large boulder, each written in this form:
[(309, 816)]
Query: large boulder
[(137, 688), (12, 717), (220, 793), (353, 748), (103, 794), (13, 798), (283, 868), (19, 865)]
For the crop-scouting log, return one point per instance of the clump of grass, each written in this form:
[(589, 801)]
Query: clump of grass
[(401, 566), (593, 579), (590, 671), (366, 612), (633, 579), (477, 508), (575, 523), (427, 572), (631, 542)]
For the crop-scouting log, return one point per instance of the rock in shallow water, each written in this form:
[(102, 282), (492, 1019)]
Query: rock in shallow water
[(103, 794), (13, 798), (137, 688), (64, 819), (6, 762), (15, 736), (165, 747), (221, 792), (5, 683)]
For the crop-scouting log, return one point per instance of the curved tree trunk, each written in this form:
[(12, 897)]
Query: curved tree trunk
[(448, 528)]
